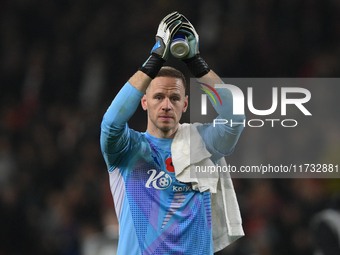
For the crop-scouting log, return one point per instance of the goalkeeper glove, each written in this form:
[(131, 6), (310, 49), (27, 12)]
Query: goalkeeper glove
[(160, 52), (195, 63)]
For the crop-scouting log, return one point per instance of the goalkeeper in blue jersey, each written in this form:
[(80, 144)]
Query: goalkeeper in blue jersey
[(157, 213)]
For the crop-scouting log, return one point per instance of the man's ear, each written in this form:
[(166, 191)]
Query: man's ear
[(186, 102), (144, 103)]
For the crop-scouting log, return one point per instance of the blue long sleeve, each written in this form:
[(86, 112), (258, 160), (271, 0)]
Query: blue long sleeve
[(114, 130)]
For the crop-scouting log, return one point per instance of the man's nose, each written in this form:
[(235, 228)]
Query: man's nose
[(166, 106)]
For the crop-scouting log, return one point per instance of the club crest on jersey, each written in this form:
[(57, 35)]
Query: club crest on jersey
[(159, 180)]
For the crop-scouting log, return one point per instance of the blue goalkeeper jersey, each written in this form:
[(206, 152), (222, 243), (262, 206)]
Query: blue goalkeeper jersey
[(157, 214)]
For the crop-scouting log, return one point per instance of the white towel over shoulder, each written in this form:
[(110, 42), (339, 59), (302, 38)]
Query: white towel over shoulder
[(188, 153)]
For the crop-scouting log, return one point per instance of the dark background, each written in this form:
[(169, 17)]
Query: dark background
[(63, 61)]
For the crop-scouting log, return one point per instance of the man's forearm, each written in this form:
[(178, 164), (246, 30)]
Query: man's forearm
[(140, 81), (211, 75), (226, 109), (221, 138)]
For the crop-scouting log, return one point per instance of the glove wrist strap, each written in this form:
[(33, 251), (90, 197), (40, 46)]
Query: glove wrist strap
[(197, 66), (152, 66)]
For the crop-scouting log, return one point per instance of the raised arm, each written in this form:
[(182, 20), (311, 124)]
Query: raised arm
[(115, 135), (221, 139)]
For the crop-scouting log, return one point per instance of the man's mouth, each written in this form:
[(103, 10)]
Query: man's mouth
[(165, 117)]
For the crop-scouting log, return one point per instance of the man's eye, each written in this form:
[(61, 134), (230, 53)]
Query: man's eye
[(158, 97)]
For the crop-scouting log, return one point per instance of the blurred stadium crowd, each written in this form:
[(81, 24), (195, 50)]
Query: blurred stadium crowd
[(62, 62)]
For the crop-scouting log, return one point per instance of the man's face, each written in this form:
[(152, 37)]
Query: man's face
[(165, 102)]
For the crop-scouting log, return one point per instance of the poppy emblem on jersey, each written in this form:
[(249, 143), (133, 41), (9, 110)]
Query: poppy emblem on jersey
[(169, 165)]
